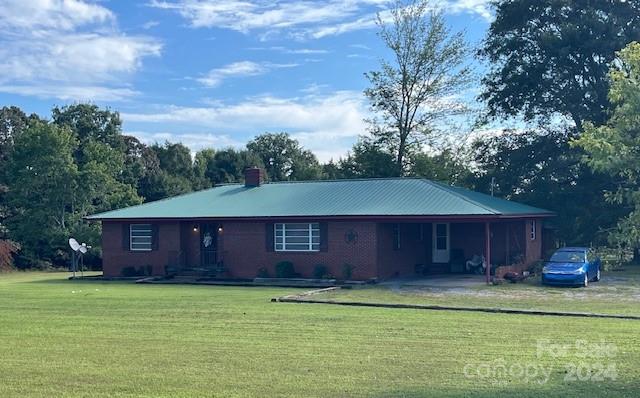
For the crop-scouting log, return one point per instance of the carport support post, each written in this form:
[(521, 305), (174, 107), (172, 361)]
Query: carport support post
[(487, 249)]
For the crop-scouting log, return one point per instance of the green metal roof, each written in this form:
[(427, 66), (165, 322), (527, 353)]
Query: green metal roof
[(364, 197)]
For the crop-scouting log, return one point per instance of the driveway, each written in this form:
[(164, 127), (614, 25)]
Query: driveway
[(444, 281)]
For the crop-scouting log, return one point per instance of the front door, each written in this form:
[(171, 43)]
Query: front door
[(440, 242), (208, 245)]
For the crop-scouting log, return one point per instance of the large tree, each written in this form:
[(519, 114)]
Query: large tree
[(551, 57), (283, 157), (366, 160), (412, 93), (614, 147), (174, 175), (13, 121), (88, 122), (540, 168), (445, 166), (42, 179), (228, 165)]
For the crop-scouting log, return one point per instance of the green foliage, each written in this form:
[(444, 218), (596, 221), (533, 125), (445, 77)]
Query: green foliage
[(369, 159), (540, 168), (347, 271), (89, 123), (227, 165), (445, 167), (410, 95), (613, 147), (283, 158), (550, 57), (320, 271), (285, 269), (613, 258), (42, 171), (58, 172)]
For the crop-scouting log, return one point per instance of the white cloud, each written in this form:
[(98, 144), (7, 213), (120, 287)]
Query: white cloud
[(150, 24), (238, 69), (478, 7), (299, 18), (51, 14), (194, 141), (285, 50), (328, 125), (73, 57), (246, 15), (71, 93), (58, 49)]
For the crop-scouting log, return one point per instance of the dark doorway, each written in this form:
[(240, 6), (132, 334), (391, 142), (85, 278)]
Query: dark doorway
[(208, 245)]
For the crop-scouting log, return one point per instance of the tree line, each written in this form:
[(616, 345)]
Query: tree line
[(568, 72)]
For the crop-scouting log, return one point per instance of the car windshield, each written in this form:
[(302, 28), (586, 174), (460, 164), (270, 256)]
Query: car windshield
[(567, 257)]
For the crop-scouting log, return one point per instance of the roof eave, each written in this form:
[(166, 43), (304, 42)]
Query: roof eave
[(337, 217)]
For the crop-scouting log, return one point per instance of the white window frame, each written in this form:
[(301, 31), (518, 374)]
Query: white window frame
[(533, 230), (310, 228), (132, 244)]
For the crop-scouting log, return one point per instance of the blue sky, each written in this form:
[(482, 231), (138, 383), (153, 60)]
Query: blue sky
[(204, 72)]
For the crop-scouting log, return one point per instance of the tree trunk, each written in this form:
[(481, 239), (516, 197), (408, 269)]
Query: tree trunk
[(636, 255)]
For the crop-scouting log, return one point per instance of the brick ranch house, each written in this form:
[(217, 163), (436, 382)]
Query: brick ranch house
[(379, 228)]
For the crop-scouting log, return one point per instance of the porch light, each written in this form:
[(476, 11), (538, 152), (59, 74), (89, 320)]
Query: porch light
[(195, 227), (220, 229)]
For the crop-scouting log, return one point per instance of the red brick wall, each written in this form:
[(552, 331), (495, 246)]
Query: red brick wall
[(190, 243), (243, 246), (412, 250), (115, 257)]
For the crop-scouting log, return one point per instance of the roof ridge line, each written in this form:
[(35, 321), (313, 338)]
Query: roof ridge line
[(343, 180), (451, 191)]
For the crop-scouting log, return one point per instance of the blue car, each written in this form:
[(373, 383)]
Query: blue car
[(572, 266)]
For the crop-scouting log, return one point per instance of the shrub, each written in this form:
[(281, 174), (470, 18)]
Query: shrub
[(284, 269), (536, 268), (263, 272), (347, 271), (320, 271), (613, 258)]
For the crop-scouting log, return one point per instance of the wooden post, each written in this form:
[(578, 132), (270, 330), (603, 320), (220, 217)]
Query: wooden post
[(507, 256), (487, 249)]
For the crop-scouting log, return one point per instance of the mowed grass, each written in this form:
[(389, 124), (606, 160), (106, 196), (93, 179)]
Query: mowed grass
[(61, 338), (616, 293)]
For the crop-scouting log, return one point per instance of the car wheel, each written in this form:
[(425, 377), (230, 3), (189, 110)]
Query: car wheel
[(585, 283), (597, 278)]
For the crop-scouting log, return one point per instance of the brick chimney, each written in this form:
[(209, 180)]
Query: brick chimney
[(252, 177)]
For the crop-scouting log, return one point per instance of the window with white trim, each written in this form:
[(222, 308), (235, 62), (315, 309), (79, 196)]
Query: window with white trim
[(532, 232), (140, 237), (297, 237)]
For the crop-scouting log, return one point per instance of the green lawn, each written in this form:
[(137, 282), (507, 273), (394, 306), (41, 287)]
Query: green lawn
[(617, 293), (63, 338)]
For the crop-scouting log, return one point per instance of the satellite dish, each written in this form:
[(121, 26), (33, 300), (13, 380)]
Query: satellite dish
[(75, 246), (83, 248)]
